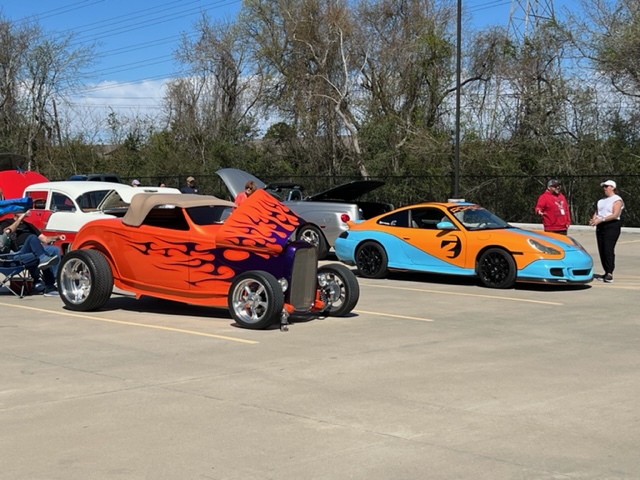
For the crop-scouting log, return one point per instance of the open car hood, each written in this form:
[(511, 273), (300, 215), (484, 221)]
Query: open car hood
[(235, 180), (13, 182), (347, 192), (260, 223)]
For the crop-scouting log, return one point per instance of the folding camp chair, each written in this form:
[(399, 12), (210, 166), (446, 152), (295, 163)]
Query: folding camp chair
[(14, 268)]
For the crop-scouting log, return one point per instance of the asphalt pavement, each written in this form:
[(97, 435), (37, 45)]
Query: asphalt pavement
[(431, 377)]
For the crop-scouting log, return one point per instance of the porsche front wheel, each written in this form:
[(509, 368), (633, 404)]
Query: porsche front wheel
[(85, 280), (497, 269), (371, 260), (255, 300)]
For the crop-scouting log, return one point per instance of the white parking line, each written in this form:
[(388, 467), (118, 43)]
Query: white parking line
[(132, 324), (443, 292), (381, 314)]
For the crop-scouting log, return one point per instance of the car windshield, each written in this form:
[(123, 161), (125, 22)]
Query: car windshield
[(474, 217), (209, 214)]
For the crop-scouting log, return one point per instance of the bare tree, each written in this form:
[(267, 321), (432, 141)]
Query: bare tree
[(14, 47), (303, 49), (214, 101), (608, 34), (37, 71)]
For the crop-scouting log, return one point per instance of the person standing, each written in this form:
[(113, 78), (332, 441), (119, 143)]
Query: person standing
[(608, 225), (249, 188), (552, 206), (190, 187)]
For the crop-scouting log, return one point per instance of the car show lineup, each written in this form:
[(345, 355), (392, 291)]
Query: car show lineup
[(260, 259)]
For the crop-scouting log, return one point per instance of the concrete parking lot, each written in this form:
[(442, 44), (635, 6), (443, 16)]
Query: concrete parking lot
[(431, 378)]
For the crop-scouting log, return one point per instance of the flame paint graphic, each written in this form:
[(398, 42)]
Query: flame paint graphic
[(256, 232), (260, 223)]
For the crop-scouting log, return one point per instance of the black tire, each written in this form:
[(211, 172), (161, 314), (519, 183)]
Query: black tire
[(314, 236), (340, 287), (255, 300), (372, 260), (497, 269), (85, 280)]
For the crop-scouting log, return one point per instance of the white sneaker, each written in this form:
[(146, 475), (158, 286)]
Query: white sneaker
[(48, 262)]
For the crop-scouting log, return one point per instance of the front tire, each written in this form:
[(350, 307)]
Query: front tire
[(85, 280), (255, 300), (372, 260), (314, 236), (497, 269), (339, 286)]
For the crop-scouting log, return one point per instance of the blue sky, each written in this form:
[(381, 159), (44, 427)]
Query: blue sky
[(135, 39)]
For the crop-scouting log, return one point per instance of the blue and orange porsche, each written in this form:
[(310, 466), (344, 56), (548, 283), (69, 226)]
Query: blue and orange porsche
[(461, 239)]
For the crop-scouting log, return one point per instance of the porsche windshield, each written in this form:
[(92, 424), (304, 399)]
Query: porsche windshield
[(474, 217)]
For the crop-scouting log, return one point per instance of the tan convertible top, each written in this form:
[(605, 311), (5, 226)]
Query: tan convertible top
[(142, 204)]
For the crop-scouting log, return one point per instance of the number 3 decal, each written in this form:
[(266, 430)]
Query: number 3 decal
[(455, 247)]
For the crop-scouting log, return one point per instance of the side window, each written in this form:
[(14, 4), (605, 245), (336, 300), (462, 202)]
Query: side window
[(396, 219), (61, 203), (39, 199), (90, 200), (169, 218), (427, 218)]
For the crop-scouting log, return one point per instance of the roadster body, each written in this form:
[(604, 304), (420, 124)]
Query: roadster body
[(202, 250)]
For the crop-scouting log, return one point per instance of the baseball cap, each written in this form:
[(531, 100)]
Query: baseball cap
[(190, 179), (135, 182), (553, 183), (609, 183)]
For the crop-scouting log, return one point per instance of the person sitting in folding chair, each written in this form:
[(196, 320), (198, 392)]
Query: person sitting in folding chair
[(17, 269), (21, 240)]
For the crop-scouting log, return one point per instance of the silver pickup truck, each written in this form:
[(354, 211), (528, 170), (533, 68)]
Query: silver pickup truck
[(325, 213)]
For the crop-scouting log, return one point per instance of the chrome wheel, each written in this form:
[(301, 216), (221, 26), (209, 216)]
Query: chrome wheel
[(313, 235), (75, 281), (85, 280), (255, 300), (339, 289)]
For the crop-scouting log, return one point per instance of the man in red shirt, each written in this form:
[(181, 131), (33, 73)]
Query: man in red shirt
[(552, 206)]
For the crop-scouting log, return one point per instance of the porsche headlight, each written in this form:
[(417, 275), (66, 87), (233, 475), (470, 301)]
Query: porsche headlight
[(577, 244), (543, 248)]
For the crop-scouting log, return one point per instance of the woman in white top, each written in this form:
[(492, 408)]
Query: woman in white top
[(606, 219)]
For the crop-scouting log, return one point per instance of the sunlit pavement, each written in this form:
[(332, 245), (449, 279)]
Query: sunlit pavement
[(432, 378)]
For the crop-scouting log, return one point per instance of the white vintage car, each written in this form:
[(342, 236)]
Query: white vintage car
[(61, 208)]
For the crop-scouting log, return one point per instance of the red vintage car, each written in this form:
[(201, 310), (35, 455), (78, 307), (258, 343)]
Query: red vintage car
[(202, 250)]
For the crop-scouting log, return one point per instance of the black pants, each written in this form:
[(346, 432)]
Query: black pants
[(607, 234)]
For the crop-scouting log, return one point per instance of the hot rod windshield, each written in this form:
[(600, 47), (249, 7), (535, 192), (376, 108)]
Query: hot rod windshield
[(209, 214)]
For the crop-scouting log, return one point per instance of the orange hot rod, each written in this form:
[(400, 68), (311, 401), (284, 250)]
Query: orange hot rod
[(205, 251)]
